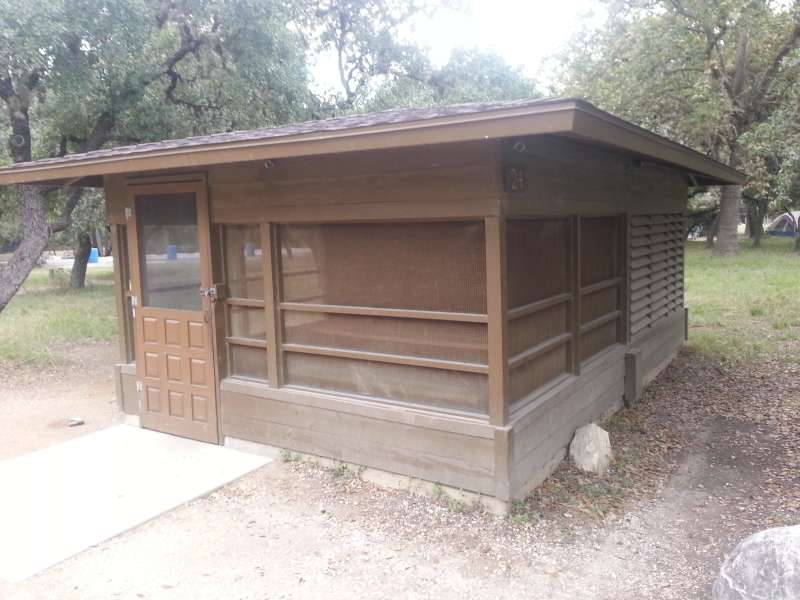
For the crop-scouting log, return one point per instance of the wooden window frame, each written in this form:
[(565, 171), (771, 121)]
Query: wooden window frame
[(277, 348), (255, 303)]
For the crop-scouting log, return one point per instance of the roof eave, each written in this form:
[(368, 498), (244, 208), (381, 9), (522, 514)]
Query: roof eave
[(599, 126), (574, 117), (547, 118)]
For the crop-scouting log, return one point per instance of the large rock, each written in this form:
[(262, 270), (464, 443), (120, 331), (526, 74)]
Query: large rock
[(765, 565), (591, 449)]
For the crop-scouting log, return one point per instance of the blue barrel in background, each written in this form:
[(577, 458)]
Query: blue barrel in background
[(172, 252), (94, 256)]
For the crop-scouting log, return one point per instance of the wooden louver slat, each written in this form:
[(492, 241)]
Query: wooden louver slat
[(656, 269)]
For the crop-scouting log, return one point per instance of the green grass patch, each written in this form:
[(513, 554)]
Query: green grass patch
[(745, 307), (47, 314)]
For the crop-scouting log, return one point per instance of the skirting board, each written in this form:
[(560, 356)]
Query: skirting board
[(379, 477)]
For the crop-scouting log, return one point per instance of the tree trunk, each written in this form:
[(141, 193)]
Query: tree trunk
[(77, 278), (759, 212), (35, 236), (712, 231), (728, 237)]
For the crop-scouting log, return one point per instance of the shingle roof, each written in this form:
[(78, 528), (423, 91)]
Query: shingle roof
[(347, 122), (374, 131)]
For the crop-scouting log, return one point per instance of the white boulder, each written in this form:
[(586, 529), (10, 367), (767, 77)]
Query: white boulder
[(590, 449), (764, 565)]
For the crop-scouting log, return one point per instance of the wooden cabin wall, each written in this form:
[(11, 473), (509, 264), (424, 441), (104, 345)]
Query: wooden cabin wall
[(571, 209), (545, 350), (438, 182), (379, 294)]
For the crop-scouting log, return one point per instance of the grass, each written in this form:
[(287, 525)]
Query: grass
[(746, 307), (47, 315)]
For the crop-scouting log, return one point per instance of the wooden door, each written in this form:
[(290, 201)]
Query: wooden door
[(171, 276)]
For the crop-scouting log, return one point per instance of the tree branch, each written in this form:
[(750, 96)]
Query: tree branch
[(65, 219)]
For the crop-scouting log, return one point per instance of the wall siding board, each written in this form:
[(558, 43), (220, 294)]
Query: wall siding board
[(446, 457)]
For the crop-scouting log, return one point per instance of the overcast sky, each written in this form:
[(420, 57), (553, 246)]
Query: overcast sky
[(523, 32)]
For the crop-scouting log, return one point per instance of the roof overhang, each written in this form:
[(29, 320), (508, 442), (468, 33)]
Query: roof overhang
[(566, 117)]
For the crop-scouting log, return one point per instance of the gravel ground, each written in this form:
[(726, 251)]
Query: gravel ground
[(708, 458), (37, 404)]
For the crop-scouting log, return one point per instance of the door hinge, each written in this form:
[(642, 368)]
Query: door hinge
[(128, 213), (139, 386), (209, 292)]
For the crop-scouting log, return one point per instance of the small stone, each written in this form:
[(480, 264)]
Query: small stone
[(590, 449), (75, 422), (764, 565)]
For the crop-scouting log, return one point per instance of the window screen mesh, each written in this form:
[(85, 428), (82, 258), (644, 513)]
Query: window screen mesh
[(243, 269), (600, 266), (245, 312), (464, 342), (536, 373), (539, 266), (538, 259), (422, 266), (599, 249), (433, 387)]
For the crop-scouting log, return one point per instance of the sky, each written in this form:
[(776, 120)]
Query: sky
[(524, 32)]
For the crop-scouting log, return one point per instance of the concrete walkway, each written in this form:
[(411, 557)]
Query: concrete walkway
[(56, 502)]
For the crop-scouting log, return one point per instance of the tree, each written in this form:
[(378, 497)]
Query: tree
[(707, 72), (363, 36), (76, 75), (469, 76)]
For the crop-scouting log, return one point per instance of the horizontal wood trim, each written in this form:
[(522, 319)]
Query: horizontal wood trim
[(539, 349), (534, 307), (397, 359), (600, 286), (243, 341), (393, 411), (249, 302), (600, 321), (401, 313), (407, 210)]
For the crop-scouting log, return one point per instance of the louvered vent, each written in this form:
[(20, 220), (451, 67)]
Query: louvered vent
[(656, 263)]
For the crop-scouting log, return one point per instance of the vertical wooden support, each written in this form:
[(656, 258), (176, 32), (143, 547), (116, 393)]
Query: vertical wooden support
[(624, 272), (121, 293), (497, 310), (220, 325), (270, 254), (575, 313)]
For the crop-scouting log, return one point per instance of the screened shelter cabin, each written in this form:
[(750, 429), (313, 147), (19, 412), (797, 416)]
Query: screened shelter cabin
[(444, 293)]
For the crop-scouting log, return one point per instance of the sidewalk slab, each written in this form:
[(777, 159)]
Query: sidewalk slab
[(56, 502)]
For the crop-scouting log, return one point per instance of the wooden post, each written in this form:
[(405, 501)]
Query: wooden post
[(497, 310), (270, 254), (121, 293), (575, 313)]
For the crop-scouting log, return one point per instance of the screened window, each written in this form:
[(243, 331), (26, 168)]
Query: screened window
[(541, 295), (244, 308), (601, 285), (564, 289), (392, 311)]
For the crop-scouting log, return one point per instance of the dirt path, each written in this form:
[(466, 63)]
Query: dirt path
[(719, 463), (36, 404)]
